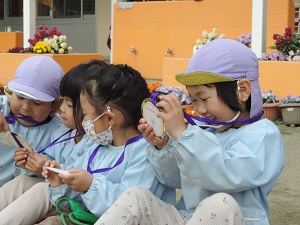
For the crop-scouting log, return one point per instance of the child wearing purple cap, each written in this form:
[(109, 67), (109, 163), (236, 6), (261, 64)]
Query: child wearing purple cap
[(28, 193), (31, 111), (226, 162)]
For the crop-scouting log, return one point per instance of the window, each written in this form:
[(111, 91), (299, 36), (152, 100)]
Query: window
[(64, 9), (1, 9), (44, 8), (15, 8), (88, 7)]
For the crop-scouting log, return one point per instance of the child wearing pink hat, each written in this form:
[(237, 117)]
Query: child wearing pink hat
[(226, 161)]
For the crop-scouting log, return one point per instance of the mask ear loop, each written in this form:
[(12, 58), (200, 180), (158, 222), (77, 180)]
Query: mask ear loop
[(238, 88)]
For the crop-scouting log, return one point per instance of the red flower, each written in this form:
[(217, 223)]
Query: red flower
[(275, 36), (286, 43)]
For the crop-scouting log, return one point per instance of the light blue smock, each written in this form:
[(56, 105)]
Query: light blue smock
[(135, 170), (65, 152), (245, 163), (37, 136)]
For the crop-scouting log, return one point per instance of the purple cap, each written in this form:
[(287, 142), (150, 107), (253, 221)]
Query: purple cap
[(223, 60), (38, 78)]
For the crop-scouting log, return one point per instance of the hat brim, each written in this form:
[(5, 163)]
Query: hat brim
[(197, 78), (7, 92), (29, 92)]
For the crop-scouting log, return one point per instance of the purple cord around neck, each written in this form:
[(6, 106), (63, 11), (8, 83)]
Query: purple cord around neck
[(11, 119), (191, 119)]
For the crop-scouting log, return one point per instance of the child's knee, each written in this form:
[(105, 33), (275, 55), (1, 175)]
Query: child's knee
[(220, 207), (220, 199), (137, 191), (20, 179)]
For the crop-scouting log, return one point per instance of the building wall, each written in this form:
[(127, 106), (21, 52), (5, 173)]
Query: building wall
[(81, 33), (87, 35), (103, 21), (152, 27)]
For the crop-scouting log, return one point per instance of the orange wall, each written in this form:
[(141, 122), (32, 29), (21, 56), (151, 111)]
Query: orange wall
[(152, 27), (9, 62), (279, 76), (10, 40)]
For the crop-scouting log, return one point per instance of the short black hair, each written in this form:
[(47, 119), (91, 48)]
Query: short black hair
[(119, 86), (71, 85), (226, 91)]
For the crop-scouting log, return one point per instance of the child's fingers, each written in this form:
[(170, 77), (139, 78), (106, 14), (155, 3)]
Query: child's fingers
[(21, 163), (3, 124), (142, 121), (45, 173), (20, 154), (55, 164), (47, 163), (20, 157)]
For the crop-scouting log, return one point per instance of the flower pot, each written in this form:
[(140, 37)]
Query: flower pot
[(290, 113), (272, 111)]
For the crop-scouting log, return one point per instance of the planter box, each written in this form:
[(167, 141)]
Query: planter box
[(10, 40), (290, 113), (9, 62), (272, 111)]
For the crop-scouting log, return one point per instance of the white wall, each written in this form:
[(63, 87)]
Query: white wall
[(87, 35), (103, 20)]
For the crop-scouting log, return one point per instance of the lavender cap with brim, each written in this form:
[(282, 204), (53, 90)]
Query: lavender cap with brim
[(224, 60), (38, 78)]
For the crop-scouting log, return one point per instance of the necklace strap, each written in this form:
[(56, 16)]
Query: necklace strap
[(191, 119), (119, 161), (57, 142), (11, 119)]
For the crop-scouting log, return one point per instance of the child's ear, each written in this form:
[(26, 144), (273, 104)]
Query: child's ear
[(55, 106), (244, 89), (111, 117)]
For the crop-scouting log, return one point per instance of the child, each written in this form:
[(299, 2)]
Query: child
[(229, 168), (33, 203), (110, 101), (33, 103)]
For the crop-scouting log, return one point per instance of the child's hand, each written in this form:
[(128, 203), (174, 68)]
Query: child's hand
[(172, 115), (78, 179), (20, 156), (3, 124), (53, 178), (149, 135), (35, 162)]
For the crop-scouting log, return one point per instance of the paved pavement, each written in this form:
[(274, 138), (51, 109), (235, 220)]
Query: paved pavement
[(285, 197)]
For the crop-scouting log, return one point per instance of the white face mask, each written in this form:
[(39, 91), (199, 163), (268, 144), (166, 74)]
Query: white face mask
[(103, 138)]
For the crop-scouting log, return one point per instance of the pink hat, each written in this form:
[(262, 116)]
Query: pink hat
[(38, 78)]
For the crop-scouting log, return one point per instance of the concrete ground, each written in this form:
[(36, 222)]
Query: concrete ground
[(285, 197)]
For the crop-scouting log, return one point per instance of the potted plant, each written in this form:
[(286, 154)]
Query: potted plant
[(245, 39), (287, 46), (177, 91), (290, 109), (207, 37), (271, 105), (1, 89)]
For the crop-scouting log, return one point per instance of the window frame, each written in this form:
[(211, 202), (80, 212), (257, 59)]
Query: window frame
[(82, 17)]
